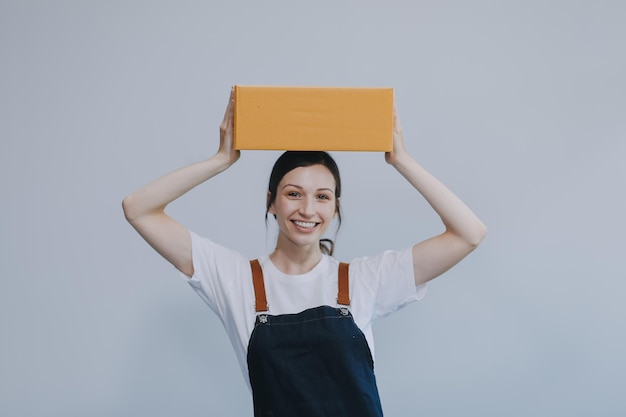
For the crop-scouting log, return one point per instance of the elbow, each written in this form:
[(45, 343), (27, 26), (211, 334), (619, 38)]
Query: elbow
[(135, 209), (472, 236), (478, 235), (128, 206)]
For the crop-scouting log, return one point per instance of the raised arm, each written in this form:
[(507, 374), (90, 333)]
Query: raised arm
[(464, 231), (145, 208)]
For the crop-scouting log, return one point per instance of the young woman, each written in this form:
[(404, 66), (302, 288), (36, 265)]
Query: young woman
[(299, 320)]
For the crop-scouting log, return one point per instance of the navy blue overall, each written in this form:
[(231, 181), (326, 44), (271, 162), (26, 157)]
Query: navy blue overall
[(310, 364)]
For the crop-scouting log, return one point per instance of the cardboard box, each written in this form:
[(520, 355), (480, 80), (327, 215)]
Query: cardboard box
[(313, 118)]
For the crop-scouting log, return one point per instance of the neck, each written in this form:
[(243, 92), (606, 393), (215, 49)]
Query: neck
[(294, 260)]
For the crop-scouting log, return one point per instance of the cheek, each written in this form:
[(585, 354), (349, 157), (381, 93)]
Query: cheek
[(331, 212), (280, 208)]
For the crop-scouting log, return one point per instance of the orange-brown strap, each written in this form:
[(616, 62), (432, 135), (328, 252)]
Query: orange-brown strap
[(343, 296), (259, 286)]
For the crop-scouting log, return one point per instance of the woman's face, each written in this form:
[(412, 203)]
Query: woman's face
[(305, 205)]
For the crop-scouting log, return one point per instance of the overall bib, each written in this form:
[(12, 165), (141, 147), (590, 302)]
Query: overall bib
[(310, 364)]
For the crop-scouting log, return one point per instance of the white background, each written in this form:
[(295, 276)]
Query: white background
[(518, 106)]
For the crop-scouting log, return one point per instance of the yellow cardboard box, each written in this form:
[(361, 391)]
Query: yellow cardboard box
[(313, 118)]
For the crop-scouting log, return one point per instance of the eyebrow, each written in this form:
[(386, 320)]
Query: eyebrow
[(301, 188)]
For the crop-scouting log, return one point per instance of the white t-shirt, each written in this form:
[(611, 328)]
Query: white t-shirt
[(379, 285)]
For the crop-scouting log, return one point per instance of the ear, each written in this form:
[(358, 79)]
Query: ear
[(337, 208), (270, 210)]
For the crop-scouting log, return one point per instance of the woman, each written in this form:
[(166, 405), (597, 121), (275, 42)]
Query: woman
[(300, 321)]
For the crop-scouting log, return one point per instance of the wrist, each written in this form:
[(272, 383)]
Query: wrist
[(224, 160), (398, 159)]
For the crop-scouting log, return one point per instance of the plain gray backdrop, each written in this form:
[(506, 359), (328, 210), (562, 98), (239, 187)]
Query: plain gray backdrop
[(518, 106)]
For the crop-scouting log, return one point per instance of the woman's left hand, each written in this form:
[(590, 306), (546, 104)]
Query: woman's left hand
[(398, 140)]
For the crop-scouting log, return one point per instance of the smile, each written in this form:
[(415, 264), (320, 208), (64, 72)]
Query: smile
[(305, 225)]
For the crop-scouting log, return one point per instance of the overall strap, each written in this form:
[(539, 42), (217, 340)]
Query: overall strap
[(343, 295), (259, 286)]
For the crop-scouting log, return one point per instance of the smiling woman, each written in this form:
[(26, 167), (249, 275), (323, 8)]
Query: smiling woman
[(299, 320), (304, 193)]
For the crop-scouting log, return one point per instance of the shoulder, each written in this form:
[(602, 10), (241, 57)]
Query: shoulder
[(211, 259), (204, 247), (383, 262), (390, 270)]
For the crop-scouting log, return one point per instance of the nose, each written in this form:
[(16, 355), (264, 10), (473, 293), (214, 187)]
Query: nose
[(307, 207)]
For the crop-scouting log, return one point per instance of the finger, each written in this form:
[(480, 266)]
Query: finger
[(396, 119), (228, 113), (231, 103)]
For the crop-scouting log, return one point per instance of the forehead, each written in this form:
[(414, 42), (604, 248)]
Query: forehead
[(313, 177)]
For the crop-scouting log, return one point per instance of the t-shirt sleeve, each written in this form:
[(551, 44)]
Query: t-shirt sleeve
[(216, 269), (389, 279)]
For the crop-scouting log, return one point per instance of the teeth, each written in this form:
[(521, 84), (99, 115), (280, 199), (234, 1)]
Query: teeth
[(307, 225)]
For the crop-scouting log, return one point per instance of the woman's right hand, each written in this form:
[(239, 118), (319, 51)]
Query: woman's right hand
[(227, 148)]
